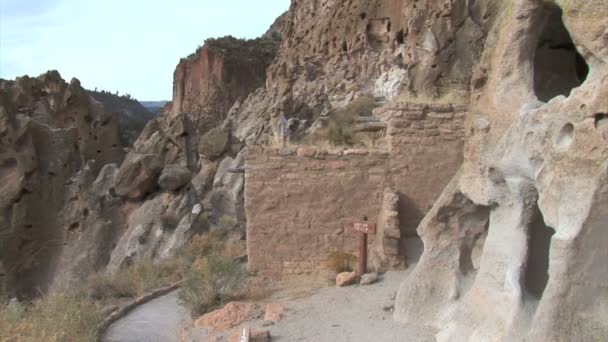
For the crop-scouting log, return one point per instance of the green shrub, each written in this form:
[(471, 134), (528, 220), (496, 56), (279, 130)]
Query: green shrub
[(211, 283)]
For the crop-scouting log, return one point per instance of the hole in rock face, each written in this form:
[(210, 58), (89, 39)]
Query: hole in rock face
[(400, 37), (558, 67), (477, 223), (565, 137), (537, 266), (9, 163), (601, 120)]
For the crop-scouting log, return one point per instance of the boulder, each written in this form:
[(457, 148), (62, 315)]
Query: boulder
[(369, 278), (346, 278), (214, 143), (104, 180), (274, 312), (231, 315), (174, 177), (137, 175)]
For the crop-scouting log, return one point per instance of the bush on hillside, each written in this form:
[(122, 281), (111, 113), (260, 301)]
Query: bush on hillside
[(338, 130), (211, 282)]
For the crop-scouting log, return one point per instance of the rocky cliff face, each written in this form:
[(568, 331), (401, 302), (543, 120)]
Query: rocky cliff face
[(207, 83), (49, 131), (334, 52), (513, 246), (71, 206), (131, 114)]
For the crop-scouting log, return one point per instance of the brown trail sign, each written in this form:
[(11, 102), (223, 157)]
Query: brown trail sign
[(363, 228)]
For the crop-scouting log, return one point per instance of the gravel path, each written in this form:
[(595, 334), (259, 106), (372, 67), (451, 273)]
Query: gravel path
[(353, 314), (155, 321), (350, 314)]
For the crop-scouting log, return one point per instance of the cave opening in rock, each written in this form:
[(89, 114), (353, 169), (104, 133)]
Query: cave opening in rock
[(537, 265), (600, 120), (558, 67), (400, 37)]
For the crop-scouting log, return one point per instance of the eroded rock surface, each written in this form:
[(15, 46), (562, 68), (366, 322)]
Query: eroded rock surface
[(52, 137), (513, 246)]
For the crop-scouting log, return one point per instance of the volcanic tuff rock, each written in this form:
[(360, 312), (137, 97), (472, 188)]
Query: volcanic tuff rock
[(131, 114), (335, 51), (61, 153), (53, 135), (515, 246), (207, 83)]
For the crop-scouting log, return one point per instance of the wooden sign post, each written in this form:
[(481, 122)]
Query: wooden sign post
[(363, 228)]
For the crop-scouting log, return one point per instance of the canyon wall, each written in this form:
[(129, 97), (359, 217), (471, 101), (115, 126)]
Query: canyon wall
[(73, 203), (334, 51), (50, 130), (513, 246), (508, 93)]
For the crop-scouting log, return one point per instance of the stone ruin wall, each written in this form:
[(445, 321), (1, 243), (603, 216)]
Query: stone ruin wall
[(294, 204), (295, 198), (426, 144)]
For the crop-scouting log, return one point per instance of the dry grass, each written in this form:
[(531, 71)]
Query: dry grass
[(75, 316), (337, 132), (453, 97), (214, 275), (60, 317), (227, 221), (136, 280), (339, 129), (276, 142), (339, 262), (454, 91)]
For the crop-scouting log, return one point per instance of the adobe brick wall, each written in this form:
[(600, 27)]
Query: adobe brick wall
[(294, 200), (426, 144), (294, 204)]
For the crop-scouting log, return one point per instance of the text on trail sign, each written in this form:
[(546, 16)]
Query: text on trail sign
[(362, 227)]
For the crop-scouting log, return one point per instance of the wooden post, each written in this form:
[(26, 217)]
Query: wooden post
[(363, 228), (362, 251), (362, 254)]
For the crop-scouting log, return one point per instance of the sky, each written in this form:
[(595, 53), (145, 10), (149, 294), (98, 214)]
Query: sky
[(129, 46)]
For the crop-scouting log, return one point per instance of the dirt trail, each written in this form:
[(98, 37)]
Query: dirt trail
[(155, 321), (353, 314), (350, 314)]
